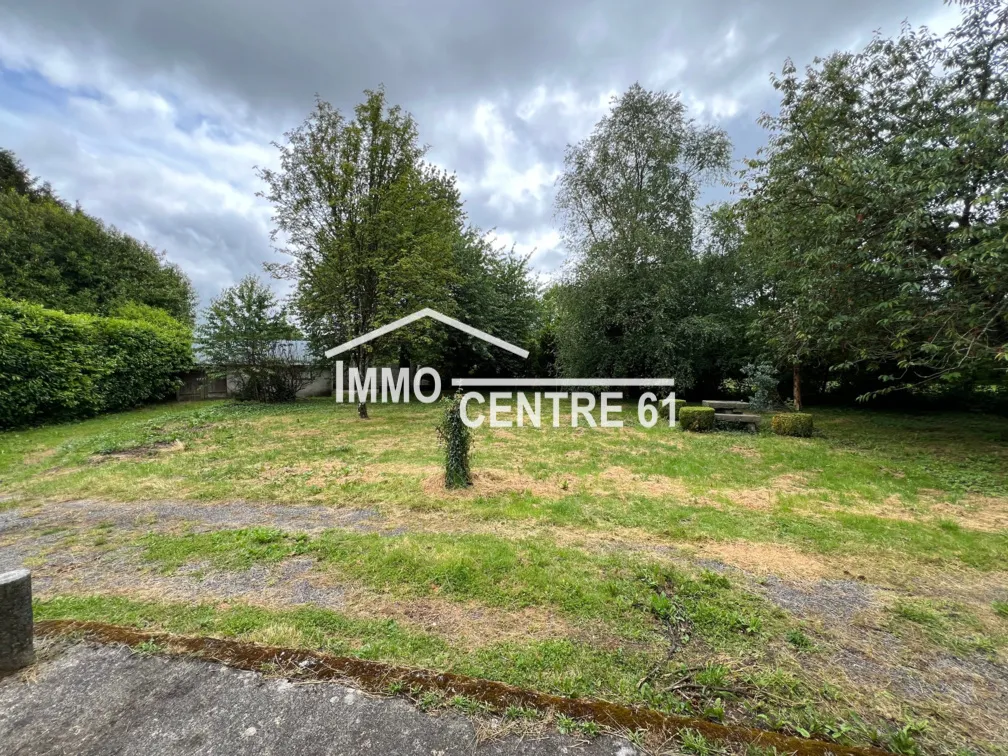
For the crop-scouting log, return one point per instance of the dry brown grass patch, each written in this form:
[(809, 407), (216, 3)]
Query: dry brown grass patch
[(766, 559), (37, 456), (467, 624), (619, 480), (765, 497), (491, 482), (973, 512), (987, 513)]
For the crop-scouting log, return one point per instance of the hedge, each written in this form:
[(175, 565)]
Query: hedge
[(792, 424), (696, 418), (55, 366)]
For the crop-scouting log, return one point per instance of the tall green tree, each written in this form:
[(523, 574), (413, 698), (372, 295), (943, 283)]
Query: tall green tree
[(61, 257), (875, 218), (640, 299), (493, 290), (368, 225)]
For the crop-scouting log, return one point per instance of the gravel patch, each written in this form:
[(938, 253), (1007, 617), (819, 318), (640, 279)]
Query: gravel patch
[(164, 515), (836, 601), (307, 518), (36, 537)]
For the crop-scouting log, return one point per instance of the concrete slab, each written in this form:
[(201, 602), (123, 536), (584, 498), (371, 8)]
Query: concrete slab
[(92, 699)]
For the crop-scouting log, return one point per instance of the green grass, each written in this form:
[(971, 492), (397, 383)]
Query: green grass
[(494, 571), (562, 667), (946, 624), (860, 453), (317, 451), (595, 528)]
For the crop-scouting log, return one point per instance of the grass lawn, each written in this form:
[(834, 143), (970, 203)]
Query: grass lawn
[(851, 586)]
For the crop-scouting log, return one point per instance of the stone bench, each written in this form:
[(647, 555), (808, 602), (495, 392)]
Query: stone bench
[(730, 406), (732, 412), (731, 417)]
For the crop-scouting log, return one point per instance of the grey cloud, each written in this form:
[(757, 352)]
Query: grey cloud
[(281, 53), (436, 58)]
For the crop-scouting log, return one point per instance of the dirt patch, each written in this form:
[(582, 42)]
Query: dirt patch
[(747, 452), (970, 694), (141, 516)]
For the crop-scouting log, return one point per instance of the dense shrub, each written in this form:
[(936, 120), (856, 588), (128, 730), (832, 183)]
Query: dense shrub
[(55, 366), (696, 418), (792, 424), (63, 258)]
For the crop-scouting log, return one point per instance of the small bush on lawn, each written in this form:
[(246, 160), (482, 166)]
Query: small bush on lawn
[(456, 438), (792, 424), (696, 418), (664, 408)]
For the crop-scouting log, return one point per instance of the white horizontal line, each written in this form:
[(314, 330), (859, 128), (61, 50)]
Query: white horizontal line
[(559, 382)]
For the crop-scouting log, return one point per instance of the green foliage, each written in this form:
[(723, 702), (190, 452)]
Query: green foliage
[(493, 290), (648, 295), (792, 424), (55, 366), (799, 640), (245, 335), (694, 742), (761, 380), (14, 177), (876, 218), (63, 258), (456, 439), (696, 418), (369, 226), (1000, 608)]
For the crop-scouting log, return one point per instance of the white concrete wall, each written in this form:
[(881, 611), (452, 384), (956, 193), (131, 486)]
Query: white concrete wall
[(321, 386)]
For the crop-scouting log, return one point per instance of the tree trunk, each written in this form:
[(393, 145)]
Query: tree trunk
[(797, 388), (362, 366)]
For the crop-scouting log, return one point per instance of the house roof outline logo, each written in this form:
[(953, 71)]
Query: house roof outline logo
[(427, 312)]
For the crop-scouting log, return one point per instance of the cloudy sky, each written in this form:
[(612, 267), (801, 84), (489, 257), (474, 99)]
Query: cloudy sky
[(153, 114)]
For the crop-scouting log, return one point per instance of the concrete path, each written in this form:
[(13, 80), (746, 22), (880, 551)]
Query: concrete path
[(109, 700)]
